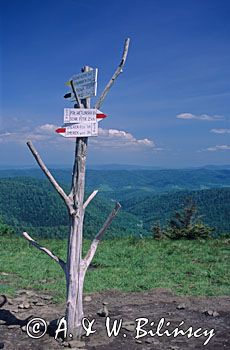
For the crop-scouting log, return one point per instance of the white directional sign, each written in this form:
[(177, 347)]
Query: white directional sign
[(79, 115), (79, 130), (82, 115), (85, 83)]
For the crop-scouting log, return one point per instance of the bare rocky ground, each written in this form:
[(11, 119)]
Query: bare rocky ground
[(196, 312)]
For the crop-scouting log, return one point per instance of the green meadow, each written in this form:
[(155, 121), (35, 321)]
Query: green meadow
[(198, 267)]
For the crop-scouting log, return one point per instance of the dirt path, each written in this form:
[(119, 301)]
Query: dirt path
[(204, 313)]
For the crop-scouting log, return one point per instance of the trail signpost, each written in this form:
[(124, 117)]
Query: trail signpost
[(81, 126)]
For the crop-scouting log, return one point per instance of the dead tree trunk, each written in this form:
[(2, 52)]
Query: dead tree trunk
[(74, 271), (75, 268)]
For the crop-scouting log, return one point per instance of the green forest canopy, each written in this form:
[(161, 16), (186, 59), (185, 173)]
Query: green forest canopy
[(31, 203)]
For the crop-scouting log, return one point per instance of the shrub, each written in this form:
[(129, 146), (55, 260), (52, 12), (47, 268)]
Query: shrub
[(5, 229), (184, 225)]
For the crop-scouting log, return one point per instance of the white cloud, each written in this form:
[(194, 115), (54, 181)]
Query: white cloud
[(47, 128), (108, 138), (199, 117), (42, 133), (218, 148), (124, 137), (220, 131), (113, 138)]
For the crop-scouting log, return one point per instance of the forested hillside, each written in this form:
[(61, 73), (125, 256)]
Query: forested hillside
[(31, 203), (213, 206)]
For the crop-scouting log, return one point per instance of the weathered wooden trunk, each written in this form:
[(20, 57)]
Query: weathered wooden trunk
[(74, 281), (75, 271)]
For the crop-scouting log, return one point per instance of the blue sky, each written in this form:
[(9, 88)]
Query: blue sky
[(170, 106)]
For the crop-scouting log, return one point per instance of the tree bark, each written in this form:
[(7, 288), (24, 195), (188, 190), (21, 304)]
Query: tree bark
[(75, 273)]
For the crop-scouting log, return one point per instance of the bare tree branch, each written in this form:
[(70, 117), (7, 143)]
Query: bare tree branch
[(92, 250), (115, 75), (57, 187), (88, 200), (45, 250)]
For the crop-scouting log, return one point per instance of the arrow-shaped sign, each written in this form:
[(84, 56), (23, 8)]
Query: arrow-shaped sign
[(68, 95), (82, 115), (79, 130)]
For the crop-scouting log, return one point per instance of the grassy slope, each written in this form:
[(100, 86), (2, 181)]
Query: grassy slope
[(128, 264)]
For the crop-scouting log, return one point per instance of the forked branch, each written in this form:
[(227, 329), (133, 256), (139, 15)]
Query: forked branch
[(92, 250), (57, 187), (88, 200), (115, 75), (45, 250)]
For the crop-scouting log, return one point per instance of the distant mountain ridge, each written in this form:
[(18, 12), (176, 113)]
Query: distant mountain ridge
[(137, 180), (115, 166)]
